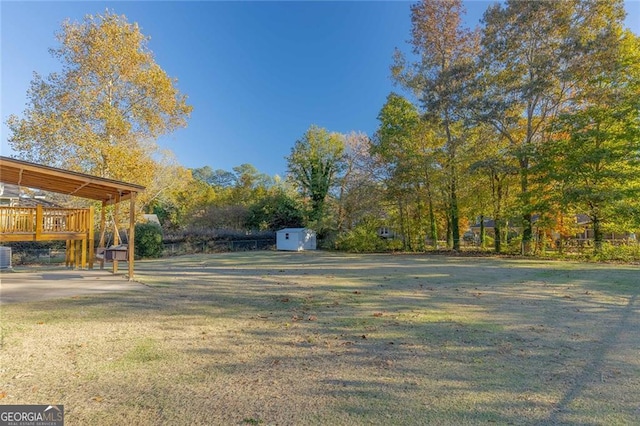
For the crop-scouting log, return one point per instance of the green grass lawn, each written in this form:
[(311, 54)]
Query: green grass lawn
[(323, 338)]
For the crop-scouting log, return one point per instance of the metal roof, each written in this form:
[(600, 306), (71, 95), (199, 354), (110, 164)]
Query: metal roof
[(31, 175)]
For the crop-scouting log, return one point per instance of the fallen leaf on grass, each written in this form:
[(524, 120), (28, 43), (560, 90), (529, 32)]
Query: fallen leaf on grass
[(377, 314), (312, 318), (97, 399), (356, 292), (19, 376), (3, 394), (284, 299)]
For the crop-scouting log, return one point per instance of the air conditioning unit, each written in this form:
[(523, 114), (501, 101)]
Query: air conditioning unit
[(5, 257)]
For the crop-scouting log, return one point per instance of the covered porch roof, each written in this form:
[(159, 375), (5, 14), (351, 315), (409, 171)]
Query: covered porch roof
[(108, 191), (62, 181)]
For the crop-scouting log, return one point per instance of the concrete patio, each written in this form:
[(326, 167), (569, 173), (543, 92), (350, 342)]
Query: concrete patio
[(17, 286)]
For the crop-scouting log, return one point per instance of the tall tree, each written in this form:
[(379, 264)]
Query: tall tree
[(495, 175), (278, 209), (411, 152), (314, 164), (439, 77), (526, 51), (102, 113), (595, 153), (250, 184), (218, 178), (360, 193)]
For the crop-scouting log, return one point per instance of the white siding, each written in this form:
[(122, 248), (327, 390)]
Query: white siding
[(295, 239)]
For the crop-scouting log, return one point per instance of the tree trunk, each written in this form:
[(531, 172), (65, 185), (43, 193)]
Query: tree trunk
[(496, 192), (433, 229), (455, 222), (561, 239), (597, 234), (402, 225), (419, 219), (527, 229), (482, 231)]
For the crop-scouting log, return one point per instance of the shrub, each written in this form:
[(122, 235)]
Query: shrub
[(514, 246), (489, 242), (148, 240), (621, 253), (362, 239)]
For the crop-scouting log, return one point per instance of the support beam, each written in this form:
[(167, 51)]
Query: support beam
[(116, 236), (132, 228), (91, 239), (103, 220), (67, 254), (83, 249), (39, 222)]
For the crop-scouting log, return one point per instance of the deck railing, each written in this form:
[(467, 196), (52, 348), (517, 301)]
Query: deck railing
[(44, 222)]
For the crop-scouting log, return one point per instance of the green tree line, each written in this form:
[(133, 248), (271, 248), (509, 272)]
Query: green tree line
[(530, 120)]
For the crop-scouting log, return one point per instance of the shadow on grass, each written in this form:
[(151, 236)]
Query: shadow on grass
[(440, 339)]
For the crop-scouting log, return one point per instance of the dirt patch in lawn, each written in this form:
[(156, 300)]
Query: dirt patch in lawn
[(321, 338)]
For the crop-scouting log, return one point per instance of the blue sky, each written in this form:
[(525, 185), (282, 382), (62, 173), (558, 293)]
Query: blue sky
[(258, 74)]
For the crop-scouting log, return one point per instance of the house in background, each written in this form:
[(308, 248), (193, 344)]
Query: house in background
[(387, 233), (295, 239), (16, 196), (473, 234), (581, 223), (9, 195)]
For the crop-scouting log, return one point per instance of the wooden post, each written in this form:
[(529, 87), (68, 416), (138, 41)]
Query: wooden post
[(78, 246), (83, 248), (72, 253), (67, 254), (91, 236), (116, 237), (39, 221), (103, 219), (81, 226), (132, 227)]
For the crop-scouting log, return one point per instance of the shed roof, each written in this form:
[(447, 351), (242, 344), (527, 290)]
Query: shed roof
[(23, 173)]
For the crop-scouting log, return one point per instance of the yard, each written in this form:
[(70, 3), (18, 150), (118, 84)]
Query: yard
[(321, 338)]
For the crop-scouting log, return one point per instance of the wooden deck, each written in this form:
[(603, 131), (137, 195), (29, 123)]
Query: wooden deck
[(75, 226)]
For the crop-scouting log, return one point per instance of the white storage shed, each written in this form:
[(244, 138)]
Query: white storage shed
[(295, 239)]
